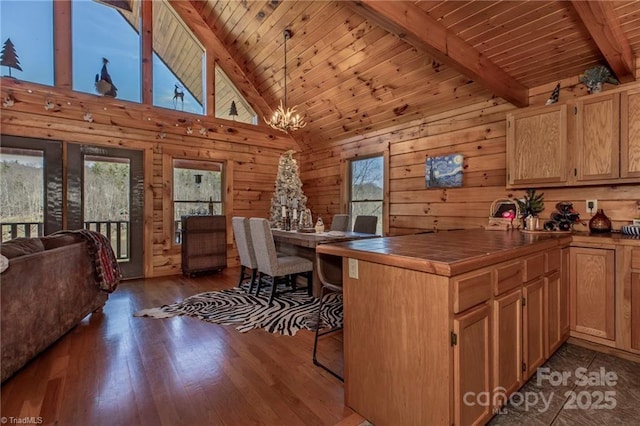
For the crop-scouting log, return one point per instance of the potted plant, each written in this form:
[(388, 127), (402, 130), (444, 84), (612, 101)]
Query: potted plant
[(530, 207), (595, 77)]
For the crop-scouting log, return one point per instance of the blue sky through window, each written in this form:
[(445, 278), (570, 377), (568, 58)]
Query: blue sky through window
[(98, 31)]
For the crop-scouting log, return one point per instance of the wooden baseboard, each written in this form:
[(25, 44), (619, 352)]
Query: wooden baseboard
[(604, 349)]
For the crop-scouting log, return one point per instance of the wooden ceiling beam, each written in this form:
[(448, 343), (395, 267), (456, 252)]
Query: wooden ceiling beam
[(416, 27), (200, 28), (602, 23)]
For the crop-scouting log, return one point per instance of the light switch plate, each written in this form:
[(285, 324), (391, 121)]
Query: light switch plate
[(353, 268)]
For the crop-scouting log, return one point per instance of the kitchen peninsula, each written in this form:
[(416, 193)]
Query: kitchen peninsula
[(432, 321)]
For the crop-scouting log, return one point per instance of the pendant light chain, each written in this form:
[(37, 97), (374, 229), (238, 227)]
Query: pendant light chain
[(286, 36), (285, 119)]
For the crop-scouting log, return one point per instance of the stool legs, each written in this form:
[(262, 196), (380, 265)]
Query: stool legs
[(318, 334)]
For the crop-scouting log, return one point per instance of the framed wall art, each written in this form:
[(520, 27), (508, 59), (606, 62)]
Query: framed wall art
[(444, 171)]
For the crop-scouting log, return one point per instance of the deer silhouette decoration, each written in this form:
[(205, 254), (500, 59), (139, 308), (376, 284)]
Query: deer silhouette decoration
[(178, 94)]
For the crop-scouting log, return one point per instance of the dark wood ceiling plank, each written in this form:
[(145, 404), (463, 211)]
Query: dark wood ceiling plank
[(600, 19), (422, 31)]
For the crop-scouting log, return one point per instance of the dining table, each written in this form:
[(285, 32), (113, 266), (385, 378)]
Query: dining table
[(303, 244)]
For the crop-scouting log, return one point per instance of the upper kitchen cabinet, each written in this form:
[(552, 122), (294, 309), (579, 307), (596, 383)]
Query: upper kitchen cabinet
[(597, 135), (592, 140), (630, 134), (537, 146)]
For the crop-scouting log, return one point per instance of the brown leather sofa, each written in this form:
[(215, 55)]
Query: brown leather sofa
[(47, 289)]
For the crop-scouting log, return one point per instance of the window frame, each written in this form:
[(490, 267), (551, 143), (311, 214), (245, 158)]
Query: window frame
[(196, 164), (347, 193)]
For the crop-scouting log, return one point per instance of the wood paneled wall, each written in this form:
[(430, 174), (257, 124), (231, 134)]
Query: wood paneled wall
[(478, 132), (250, 153)]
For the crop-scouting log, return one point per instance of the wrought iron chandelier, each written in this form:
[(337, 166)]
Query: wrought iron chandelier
[(285, 119)]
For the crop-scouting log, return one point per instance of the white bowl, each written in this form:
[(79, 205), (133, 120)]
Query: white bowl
[(631, 230)]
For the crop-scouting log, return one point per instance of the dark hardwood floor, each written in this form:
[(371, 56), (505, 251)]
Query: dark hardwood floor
[(116, 369)]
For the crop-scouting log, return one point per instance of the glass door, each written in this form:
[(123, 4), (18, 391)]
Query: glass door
[(30, 187), (105, 194)]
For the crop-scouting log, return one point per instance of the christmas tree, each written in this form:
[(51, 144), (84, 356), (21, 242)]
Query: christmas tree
[(9, 57), (288, 192)]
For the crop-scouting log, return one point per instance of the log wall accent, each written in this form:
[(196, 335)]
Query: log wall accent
[(479, 133), (250, 154)]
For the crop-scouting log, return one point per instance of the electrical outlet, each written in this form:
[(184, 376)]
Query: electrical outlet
[(353, 268), (591, 206)]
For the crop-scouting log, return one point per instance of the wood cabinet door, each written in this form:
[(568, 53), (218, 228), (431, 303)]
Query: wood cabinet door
[(635, 310), (507, 343), (553, 300), (597, 137), (564, 294), (534, 327), (472, 365), (592, 292), (630, 134), (537, 146)]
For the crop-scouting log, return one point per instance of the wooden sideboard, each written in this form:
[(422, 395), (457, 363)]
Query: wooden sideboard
[(204, 244)]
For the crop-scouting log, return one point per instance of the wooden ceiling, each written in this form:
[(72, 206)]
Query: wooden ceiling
[(356, 67)]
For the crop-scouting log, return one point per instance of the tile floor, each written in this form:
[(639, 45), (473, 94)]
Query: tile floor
[(608, 393)]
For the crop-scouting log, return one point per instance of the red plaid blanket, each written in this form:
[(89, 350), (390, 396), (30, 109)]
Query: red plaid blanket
[(108, 273)]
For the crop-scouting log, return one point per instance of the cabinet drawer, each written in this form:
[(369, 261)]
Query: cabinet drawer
[(534, 267), (553, 261), (471, 289), (635, 258), (508, 277)]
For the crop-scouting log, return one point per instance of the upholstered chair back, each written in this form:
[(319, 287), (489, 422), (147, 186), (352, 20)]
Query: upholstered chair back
[(365, 224), (244, 242), (340, 222), (264, 246)]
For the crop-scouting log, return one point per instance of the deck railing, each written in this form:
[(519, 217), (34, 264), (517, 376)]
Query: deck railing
[(21, 229), (116, 231)]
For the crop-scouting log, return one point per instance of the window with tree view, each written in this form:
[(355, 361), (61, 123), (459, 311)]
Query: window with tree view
[(366, 192), (197, 190), (21, 193)]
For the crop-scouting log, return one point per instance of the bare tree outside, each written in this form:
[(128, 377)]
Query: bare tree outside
[(21, 192), (367, 188), (106, 190)]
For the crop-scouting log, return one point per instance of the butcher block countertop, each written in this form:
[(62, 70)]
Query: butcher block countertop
[(447, 253)]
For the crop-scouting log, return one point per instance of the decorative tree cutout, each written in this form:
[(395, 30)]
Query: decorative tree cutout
[(9, 57), (288, 191), (233, 111)]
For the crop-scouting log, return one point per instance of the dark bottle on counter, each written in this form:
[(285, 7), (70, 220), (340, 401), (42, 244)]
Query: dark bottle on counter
[(600, 223), (210, 206)]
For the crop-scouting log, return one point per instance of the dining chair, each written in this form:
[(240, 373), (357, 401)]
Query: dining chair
[(288, 267), (340, 222), (244, 243), (329, 269), (365, 224)]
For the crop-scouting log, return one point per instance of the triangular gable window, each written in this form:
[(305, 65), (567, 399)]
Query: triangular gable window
[(230, 104)]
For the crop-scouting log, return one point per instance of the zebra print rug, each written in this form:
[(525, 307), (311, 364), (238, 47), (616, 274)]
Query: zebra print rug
[(289, 312)]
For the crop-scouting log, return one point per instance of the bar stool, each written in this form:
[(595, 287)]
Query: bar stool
[(330, 274)]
